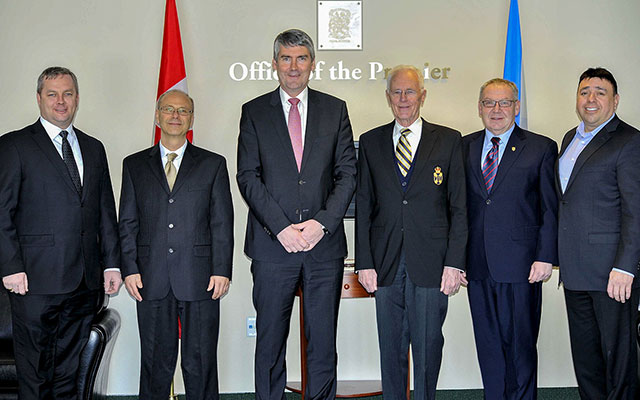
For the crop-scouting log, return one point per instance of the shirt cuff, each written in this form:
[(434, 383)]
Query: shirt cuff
[(623, 271), (112, 269), (461, 270)]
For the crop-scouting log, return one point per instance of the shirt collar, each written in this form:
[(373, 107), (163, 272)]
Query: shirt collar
[(302, 96), (53, 130), (164, 151), (416, 127), (504, 138), (580, 129)]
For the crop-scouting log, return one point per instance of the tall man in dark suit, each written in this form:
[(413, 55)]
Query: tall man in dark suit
[(411, 233), (58, 238), (176, 229), (296, 171), (512, 209), (598, 185)]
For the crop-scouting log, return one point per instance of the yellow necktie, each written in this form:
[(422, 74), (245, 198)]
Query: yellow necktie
[(171, 170)]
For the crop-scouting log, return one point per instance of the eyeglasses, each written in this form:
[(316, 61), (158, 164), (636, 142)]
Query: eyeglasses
[(488, 103), (409, 93), (170, 110)]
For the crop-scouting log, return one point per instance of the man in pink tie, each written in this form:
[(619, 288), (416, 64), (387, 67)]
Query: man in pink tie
[(296, 171)]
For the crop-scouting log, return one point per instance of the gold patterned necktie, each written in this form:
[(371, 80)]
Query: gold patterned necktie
[(171, 170), (403, 152)]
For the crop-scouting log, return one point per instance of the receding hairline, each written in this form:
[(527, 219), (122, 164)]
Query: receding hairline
[(402, 67), (175, 91)]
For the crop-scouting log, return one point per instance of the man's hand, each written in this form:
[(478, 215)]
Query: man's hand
[(619, 287), (540, 271), (291, 239), (312, 232), (133, 282), (451, 280), (112, 282), (16, 283), (368, 278), (219, 285)]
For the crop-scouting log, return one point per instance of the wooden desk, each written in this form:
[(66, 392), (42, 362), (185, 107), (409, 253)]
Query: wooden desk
[(351, 289)]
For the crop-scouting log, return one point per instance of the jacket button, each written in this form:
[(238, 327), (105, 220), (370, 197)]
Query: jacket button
[(171, 201), (170, 226), (405, 202), (301, 182), (488, 201), (170, 250)]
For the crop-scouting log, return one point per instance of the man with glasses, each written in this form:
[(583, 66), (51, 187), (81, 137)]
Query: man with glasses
[(512, 211), (58, 238), (599, 239), (176, 230), (411, 233)]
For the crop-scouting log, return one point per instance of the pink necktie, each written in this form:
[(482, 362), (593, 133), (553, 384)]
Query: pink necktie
[(295, 130)]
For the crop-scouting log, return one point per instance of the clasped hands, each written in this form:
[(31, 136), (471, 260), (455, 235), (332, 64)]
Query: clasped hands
[(301, 237)]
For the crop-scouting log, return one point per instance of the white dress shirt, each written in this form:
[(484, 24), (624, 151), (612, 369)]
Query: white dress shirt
[(302, 108), (54, 134), (176, 161)]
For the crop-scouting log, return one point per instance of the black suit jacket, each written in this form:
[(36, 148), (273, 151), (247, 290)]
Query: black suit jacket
[(516, 224), (277, 194), (428, 222), (599, 212), (46, 229), (176, 239)]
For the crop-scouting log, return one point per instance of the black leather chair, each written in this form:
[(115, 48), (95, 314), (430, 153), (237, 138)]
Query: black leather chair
[(94, 361)]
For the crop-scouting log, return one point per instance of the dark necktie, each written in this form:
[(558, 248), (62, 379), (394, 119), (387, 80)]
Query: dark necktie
[(490, 165), (70, 162), (295, 130), (403, 152)]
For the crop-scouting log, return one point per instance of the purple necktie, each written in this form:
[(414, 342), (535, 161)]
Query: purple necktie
[(490, 165), (295, 130)]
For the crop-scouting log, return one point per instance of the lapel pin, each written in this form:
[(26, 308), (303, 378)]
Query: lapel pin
[(513, 148)]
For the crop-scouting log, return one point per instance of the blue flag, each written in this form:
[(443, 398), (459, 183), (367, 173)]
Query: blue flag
[(513, 50)]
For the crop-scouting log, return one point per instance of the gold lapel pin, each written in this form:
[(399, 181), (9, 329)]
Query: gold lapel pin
[(513, 148)]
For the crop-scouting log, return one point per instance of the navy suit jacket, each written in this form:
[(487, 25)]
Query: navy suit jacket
[(176, 239), (599, 212), (277, 194), (46, 229), (427, 222), (516, 224)]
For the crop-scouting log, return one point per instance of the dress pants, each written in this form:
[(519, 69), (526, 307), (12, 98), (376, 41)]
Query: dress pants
[(158, 326), (603, 344), (506, 322), (274, 288), (409, 314), (49, 333)]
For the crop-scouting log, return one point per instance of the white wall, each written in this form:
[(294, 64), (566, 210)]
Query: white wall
[(114, 48)]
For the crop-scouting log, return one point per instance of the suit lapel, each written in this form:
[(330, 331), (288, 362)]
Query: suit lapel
[(388, 155), (427, 141), (280, 125), (565, 143), (188, 161), (514, 148), (598, 141), (155, 165), (44, 142), (311, 131), (89, 160), (475, 152)]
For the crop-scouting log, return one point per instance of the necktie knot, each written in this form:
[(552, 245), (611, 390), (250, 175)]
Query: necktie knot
[(171, 156), (294, 101), (64, 134), (405, 132), (495, 141)]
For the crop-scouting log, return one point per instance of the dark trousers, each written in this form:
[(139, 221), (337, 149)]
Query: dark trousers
[(49, 333), (506, 322), (409, 314), (158, 326), (603, 344), (274, 288)]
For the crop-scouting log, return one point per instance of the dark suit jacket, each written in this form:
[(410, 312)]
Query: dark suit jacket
[(46, 229), (176, 239), (599, 212), (516, 224), (277, 194), (428, 222)]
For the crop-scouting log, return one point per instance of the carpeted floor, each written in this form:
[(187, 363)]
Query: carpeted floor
[(543, 394)]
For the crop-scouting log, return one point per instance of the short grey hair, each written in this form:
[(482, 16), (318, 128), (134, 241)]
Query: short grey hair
[(168, 92), (402, 67), (54, 72), (499, 81), (293, 38)]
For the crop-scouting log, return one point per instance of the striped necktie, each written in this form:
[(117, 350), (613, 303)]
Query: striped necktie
[(490, 165), (403, 152)]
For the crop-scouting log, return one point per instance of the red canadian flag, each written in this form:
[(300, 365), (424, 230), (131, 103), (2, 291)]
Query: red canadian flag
[(172, 72)]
